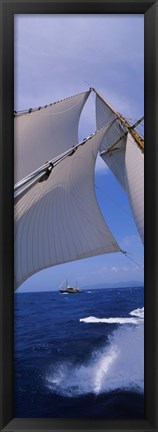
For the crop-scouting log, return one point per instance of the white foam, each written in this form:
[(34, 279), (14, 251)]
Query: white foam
[(92, 320), (138, 312), (117, 366)]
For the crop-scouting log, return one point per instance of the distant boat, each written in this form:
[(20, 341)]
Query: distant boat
[(68, 289)]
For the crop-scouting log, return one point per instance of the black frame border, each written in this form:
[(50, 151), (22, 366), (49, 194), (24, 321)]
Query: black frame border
[(7, 10)]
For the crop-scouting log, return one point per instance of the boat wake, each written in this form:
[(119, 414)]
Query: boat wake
[(118, 366), (137, 313)]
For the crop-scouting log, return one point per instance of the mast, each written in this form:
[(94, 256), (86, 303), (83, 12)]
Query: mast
[(135, 134)]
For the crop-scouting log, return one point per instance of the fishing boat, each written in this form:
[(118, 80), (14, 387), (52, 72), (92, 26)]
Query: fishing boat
[(65, 288), (57, 217)]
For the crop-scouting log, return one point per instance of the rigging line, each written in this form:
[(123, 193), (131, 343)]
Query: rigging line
[(134, 134), (43, 168), (134, 120), (137, 122), (18, 194), (123, 135), (88, 85), (139, 256), (107, 150), (115, 202), (115, 112), (35, 111), (29, 110), (119, 139), (135, 262), (52, 163), (141, 131), (115, 160), (113, 145)]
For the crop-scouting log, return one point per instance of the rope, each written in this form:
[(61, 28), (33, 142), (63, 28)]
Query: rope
[(52, 163), (111, 199), (117, 119), (135, 262), (139, 256), (29, 110)]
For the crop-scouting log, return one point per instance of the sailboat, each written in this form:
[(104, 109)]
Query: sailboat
[(57, 217), (65, 288)]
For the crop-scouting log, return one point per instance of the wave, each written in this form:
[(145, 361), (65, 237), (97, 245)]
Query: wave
[(139, 313), (119, 366)]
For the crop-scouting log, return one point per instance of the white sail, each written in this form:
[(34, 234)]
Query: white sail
[(134, 163), (59, 220), (125, 159), (115, 159), (103, 113), (42, 134)]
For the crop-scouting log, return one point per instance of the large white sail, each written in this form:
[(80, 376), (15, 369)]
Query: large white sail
[(42, 134), (114, 158), (125, 158), (103, 113), (134, 166), (59, 220)]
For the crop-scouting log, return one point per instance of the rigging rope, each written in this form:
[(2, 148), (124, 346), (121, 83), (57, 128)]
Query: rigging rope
[(117, 119), (52, 163), (139, 256), (112, 200), (124, 252), (135, 262)]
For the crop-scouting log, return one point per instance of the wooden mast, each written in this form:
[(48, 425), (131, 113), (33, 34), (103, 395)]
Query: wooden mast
[(134, 134)]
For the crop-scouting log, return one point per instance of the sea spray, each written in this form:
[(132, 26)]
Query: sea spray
[(117, 366), (65, 368)]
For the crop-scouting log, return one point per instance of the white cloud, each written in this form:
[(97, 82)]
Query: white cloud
[(114, 269)]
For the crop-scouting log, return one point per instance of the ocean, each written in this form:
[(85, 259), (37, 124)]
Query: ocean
[(79, 355)]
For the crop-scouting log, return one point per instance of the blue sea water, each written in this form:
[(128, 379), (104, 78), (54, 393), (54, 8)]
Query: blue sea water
[(80, 355)]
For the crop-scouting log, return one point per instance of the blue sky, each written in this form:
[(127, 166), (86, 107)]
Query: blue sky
[(55, 57)]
